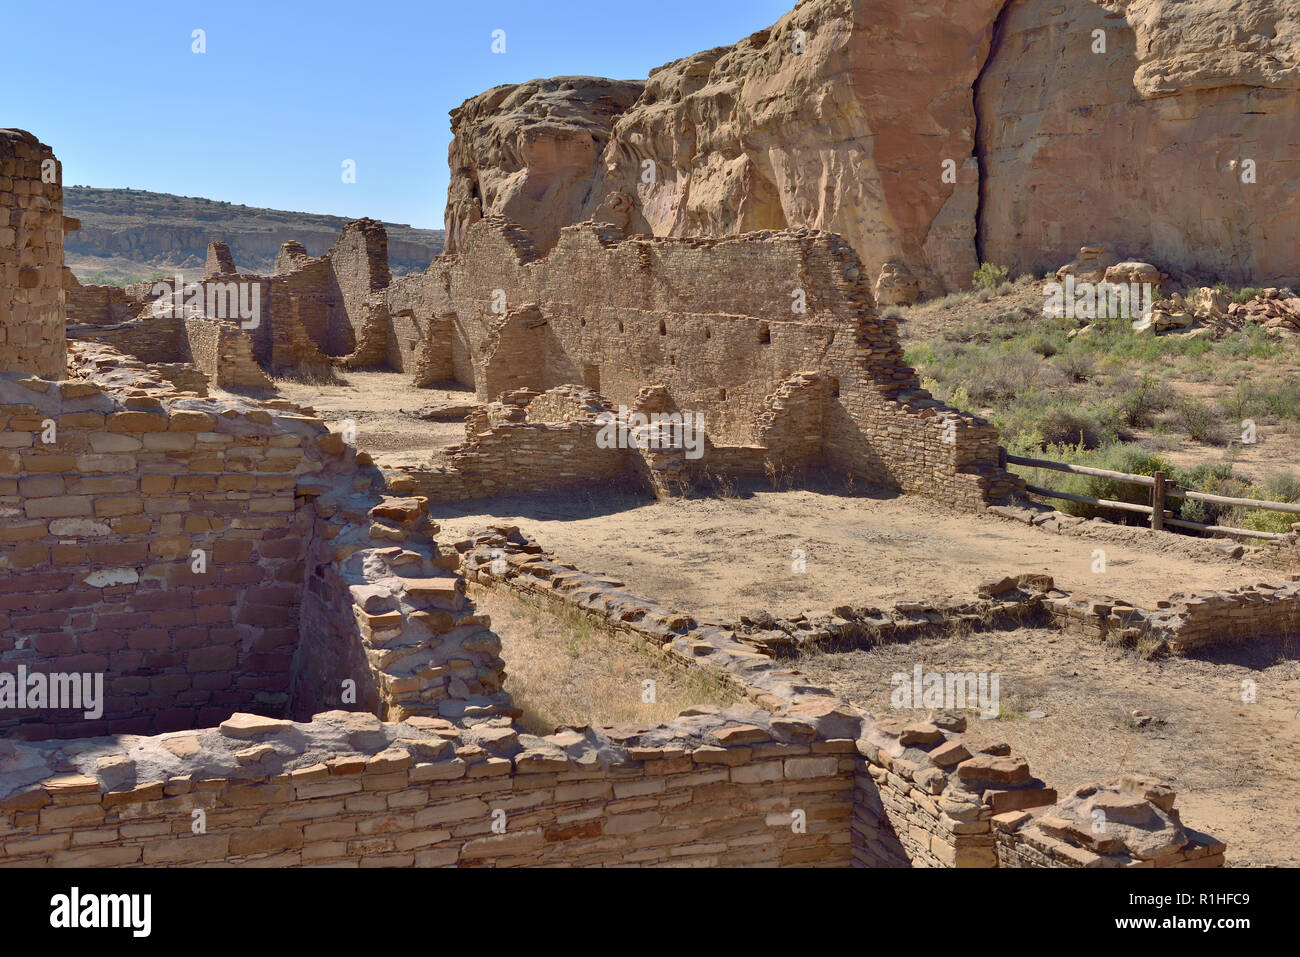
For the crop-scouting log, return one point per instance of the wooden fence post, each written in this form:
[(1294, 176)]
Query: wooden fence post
[(1158, 503)]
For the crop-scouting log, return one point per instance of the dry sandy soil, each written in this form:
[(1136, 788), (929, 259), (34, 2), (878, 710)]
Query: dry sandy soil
[(374, 401), (1233, 764), (721, 557)]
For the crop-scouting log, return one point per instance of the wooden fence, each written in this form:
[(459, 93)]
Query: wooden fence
[(1162, 489)]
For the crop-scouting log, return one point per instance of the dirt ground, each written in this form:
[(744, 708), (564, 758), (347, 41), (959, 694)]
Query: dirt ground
[(374, 402), (1233, 764), (721, 557)]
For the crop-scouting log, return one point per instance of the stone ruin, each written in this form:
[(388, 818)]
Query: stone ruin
[(773, 337), (283, 645)]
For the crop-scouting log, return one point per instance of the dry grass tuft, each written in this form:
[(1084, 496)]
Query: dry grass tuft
[(563, 670)]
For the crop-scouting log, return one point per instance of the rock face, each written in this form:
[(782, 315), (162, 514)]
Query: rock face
[(839, 117), (530, 152), (1144, 145), (937, 133)]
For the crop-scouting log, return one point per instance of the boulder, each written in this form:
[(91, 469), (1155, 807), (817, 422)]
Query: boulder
[(896, 286), (1090, 265)]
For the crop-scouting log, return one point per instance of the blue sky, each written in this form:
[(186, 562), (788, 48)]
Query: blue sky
[(287, 91)]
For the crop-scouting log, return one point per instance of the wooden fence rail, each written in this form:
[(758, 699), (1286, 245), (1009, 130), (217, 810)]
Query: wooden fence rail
[(1161, 490)]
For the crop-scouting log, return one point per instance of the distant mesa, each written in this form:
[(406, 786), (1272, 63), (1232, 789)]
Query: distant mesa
[(162, 232)]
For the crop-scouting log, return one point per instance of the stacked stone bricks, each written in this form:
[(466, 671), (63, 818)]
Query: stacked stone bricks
[(31, 257)]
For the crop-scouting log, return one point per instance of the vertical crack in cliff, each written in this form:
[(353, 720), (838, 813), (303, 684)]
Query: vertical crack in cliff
[(995, 43)]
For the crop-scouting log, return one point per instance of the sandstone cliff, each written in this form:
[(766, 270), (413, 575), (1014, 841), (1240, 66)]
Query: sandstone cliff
[(528, 152), (1144, 145), (846, 113)]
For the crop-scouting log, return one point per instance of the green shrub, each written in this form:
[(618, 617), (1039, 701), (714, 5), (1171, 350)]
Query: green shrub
[(990, 276), (1220, 479), (1139, 405), (1263, 520), (1117, 457), (1198, 420), (1064, 425), (1044, 345), (1075, 365), (1282, 487), (1217, 479)]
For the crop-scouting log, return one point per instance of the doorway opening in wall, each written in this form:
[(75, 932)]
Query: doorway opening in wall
[(591, 376), (764, 334)]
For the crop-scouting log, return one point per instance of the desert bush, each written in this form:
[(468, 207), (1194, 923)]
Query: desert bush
[(1071, 425), (1077, 366), (1217, 479), (1221, 479), (1139, 404), (990, 276), (1282, 487), (1044, 344), (1198, 420), (1116, 457)]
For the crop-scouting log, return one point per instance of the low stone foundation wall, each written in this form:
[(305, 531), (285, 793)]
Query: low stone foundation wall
[(1185, 622), (347, 790), (926, 793)]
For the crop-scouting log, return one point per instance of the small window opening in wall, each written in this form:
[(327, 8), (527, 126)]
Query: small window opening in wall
[(722, 395), (764, 334), (620, 325), (708, 333), (663, 329), (582, 323)]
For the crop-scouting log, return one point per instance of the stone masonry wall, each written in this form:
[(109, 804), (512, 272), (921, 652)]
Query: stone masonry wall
[(31, 257), (98, 546), (312, 309), (347, 790), (1185, 622), (519, 457), (717, 322)]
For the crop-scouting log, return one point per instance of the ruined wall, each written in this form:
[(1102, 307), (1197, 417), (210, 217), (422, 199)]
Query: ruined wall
[(715, 322), (346, 789), (310, 311), (359, 266), (31, 257), (521, 458), (98, 549), (221, 350), (148, 337), (98, 305), (1185, 622)]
